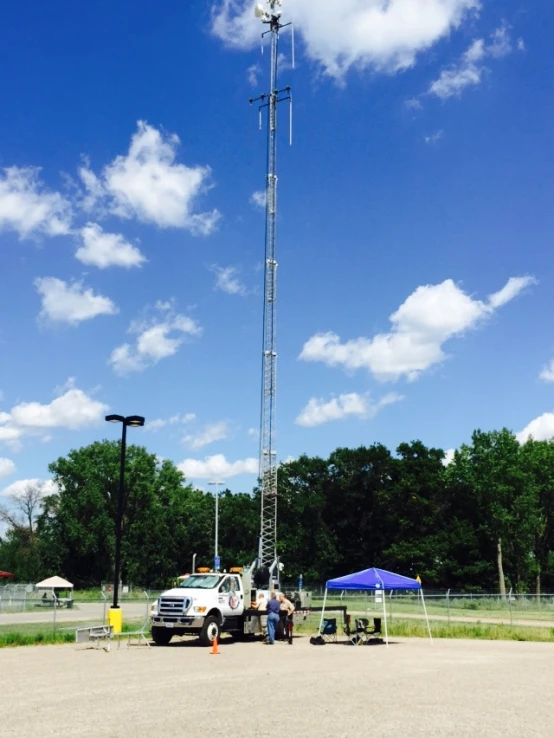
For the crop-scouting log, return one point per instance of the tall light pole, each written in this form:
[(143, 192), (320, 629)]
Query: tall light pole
[(217, 562), (133, 421)]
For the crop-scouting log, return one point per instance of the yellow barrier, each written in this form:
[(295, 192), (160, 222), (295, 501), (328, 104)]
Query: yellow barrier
[(115, 619)]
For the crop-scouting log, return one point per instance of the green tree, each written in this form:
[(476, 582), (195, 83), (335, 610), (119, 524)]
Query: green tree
[(492, 466), (361, 482), (239, 524), (77, 527), (414, 512), (538, 462), (20, 551), (307, 544)]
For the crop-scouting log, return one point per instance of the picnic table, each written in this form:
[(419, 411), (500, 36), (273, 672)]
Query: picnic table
[(59, 601)]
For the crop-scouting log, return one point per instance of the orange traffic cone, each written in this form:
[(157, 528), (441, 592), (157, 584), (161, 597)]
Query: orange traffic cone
[(215, 649)]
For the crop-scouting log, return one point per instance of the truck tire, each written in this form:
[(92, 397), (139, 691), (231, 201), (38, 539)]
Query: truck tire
[(210, 630), (161, 636)]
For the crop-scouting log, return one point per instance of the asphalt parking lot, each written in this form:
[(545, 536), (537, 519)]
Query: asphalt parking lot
[(453, 688)]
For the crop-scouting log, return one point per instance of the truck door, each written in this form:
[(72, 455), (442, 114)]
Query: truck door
[(231, 597)]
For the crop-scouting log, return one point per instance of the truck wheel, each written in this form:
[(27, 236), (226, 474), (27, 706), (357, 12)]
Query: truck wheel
[(210, 631), (161, 636)]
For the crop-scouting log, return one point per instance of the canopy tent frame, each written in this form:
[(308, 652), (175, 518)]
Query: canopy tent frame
[(376, 580), (384, 613)]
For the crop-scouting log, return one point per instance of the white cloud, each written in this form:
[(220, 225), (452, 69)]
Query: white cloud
[(71, 303), (7, 467), (104, 250), (15, 489), (318, 411), (157, 339), (511, 289), (500, 44), (378, 34), (69, 384), (159, 423), (540, 429), (10, 436), (228, 281), (209, 434), (448, 456), (520, 44), (149, 185), (434, 137), (218, 467), (429, 317), (453, 81), (547, 373), (469, 71), (73, 409), (252, 74), (28, 208), (155, 425), (258, 198), (253, 432), (413, 104)]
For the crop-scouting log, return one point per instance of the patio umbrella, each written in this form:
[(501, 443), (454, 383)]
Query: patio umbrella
[(5, 575)]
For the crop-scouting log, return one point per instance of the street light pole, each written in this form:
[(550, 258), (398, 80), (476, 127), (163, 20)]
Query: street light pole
[(119, 518), (216, 541), (134, 421)]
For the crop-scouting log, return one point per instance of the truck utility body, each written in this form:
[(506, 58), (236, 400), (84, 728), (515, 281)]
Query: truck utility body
[(207, 605)]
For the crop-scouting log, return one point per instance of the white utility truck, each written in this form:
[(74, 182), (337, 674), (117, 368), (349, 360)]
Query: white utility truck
[(209, 603)]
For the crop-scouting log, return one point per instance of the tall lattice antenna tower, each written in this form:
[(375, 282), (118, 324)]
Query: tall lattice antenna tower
[(267, 554)]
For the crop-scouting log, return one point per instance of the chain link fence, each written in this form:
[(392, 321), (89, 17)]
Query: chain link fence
[(451, 606), (26, 611)]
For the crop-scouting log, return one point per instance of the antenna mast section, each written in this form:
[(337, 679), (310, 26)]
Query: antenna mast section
[(267, 554)]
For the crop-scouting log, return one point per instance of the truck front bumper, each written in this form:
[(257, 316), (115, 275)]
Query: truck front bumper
[(166, 621)]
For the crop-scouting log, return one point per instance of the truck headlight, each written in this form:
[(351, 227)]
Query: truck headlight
[(154, 608)]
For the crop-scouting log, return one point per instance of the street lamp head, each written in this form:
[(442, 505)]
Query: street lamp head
[(134, 421), (115, 418)]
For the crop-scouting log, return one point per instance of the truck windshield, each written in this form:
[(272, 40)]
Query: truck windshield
[(203, 582)]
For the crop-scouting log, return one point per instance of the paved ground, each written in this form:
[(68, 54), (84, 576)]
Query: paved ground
[(454, 688)]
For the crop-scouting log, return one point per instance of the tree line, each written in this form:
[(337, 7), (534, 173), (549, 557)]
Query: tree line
[(482, 522)]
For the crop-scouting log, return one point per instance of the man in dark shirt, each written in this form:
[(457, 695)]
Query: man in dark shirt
[(287, 609)]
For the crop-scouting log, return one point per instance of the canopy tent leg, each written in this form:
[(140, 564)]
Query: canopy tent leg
[(384, 598), (426, 617), (323, 611)]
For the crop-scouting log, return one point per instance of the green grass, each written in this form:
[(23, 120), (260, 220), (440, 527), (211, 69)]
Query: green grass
[(399, 627), (42, 634), (478, 631), (41, 638), (94, 595)]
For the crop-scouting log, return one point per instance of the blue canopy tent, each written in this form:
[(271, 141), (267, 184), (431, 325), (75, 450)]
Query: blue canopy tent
[(375, 580)]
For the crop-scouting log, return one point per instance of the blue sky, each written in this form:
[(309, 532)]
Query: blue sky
[(414, 234)]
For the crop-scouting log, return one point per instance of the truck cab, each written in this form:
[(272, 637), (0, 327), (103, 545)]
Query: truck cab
[(206, 604)]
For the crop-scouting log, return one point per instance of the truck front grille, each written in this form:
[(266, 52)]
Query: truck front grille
[(174, 606)]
